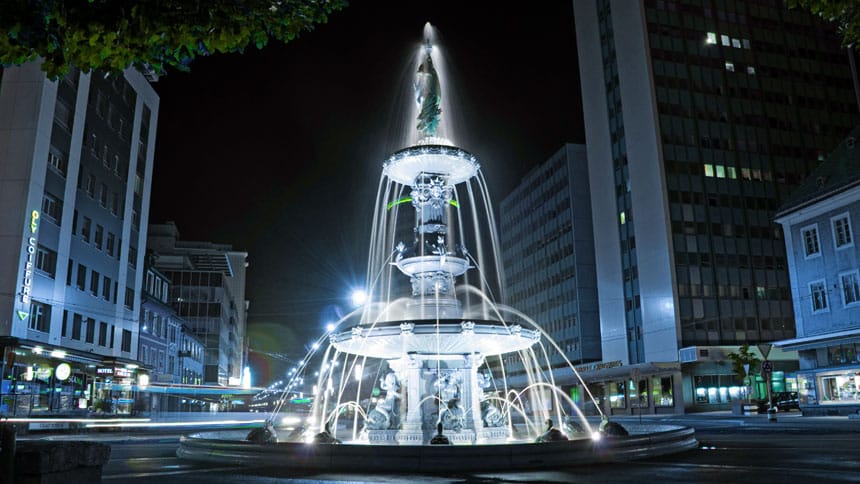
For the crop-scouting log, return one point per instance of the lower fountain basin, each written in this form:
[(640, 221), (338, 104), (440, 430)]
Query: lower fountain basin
[(230, 447)]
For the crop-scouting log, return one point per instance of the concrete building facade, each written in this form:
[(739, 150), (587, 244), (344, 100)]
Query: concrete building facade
[(76, 159), (820, 223), (701, 116), (208, 293)]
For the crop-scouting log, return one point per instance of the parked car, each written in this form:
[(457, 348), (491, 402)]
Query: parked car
[(783, 401)]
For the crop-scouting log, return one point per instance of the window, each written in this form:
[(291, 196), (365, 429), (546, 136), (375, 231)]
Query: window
[(736, 43), (90, 185), (810, 241), (126, 341), (111, 241), (106, 288), (850, 282), (132, 256), (94, 283), (842, 231), (69, 272), (711, 38), (52, 207), (40, 317), (103, 195), (709, 170), (114, 207), (85, 229), (58, 161), (751, 70), (730, 66), (77, 319), (82, 277), (91, 330), (725, 40), (129, 298), (818, 295), (103, 333), (112, 335), (46, 260), (99, 236)]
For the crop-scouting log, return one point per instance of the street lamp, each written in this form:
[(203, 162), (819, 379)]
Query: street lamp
[(359, 297)]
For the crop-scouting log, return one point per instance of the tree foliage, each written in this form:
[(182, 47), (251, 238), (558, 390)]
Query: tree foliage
[(111, 35), (845, 14), (744, 356)]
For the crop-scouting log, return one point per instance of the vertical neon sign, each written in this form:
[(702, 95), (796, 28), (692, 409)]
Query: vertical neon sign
[(30, 258)]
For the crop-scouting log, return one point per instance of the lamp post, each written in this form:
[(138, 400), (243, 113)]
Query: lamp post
[(746, 379)]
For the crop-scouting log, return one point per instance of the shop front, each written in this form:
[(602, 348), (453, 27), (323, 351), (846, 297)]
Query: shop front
[(645, 388), (40, 380)]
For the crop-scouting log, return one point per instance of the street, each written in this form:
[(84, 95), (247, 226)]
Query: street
[(732, 449)]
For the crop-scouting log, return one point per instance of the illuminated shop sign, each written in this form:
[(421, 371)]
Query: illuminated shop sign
[(104, 371), (30, 258)]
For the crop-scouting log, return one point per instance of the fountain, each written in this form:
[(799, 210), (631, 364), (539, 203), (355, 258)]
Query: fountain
[(426, 362)]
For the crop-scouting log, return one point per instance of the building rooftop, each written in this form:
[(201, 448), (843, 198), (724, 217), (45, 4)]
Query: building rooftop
[(838, 172)]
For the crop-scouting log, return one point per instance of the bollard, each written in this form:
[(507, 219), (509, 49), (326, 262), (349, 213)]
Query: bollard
[(771, 414), (7, 453)]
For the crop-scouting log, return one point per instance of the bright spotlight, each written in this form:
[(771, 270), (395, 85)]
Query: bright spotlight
[(595, 436), (330, 327), (315, 345), (359, 297)]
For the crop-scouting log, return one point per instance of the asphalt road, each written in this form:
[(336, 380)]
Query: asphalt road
[(732, 449)]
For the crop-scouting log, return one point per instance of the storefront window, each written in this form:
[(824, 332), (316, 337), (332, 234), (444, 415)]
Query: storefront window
[(639, 393), (716, 389), (661, 391), (840, 388), (843, 354), (617, 394)]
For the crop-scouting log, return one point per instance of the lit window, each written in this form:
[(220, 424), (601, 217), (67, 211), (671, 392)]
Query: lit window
[(842, 231), (725, 40), (746, 43), (623, 217), (730, 66), (732, 173), (711, 38), (736, 43), (818, 295), (745, 174), (709, 170), (721, 171), (751, 70), (811, 246)]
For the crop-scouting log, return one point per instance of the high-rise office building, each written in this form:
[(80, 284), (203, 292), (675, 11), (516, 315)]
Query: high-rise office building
[(76, 160), (208, 293), (700, 117)]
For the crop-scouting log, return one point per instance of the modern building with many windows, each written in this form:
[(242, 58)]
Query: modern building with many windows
[(548, 254), (160, 337), (701, 117), (76, 160), (824, 264), (208, 293)]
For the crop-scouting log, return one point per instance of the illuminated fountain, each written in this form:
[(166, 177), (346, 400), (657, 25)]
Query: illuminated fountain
[(426, 360)]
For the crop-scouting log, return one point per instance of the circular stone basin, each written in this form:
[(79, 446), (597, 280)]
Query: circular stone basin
[(433, 263), (447, 338), (405, 165), (228, 447)]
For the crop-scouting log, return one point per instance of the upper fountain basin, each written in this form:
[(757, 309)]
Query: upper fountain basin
[(456, 164), (435, 339)]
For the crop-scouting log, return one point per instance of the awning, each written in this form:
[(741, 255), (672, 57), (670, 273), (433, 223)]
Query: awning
[(820, 340)]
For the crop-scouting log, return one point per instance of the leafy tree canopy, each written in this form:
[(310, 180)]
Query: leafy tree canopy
[(845, 14), (111, 35), (744, 356)]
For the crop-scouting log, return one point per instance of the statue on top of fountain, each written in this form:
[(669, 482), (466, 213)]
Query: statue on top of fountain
[(428, 94)]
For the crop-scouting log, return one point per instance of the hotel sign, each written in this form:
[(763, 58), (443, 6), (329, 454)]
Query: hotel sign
[(30, 258)]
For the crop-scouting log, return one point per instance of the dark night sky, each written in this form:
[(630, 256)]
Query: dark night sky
[(279, 151)]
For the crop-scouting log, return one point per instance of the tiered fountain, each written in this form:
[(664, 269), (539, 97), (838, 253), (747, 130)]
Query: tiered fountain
[(439, 352)]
